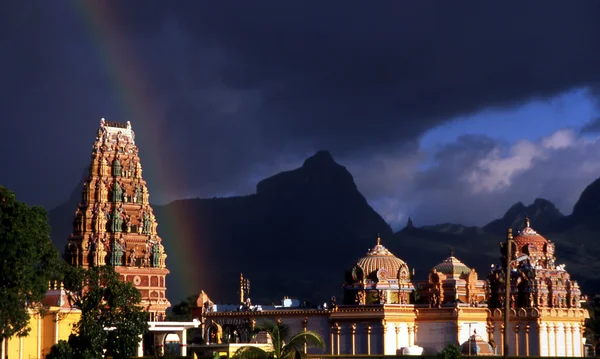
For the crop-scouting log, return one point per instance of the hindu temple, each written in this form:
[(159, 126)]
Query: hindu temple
[(385, 311), (114, 223)]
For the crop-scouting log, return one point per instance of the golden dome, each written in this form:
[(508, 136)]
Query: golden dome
[(451, 266), (380, 263)]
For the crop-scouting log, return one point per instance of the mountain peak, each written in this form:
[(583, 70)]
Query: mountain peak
[(322, 158), (543, 214), (318, 175)]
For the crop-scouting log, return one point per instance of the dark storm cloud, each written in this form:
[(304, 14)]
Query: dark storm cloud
[(232, 86)]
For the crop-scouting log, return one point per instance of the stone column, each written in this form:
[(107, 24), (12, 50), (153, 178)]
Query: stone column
[(331, 338), (397, 329), (527, 327), (516, 338), (567, 330), (501, 339), (140, 349), (353, 333), (304, 326), (411, 337), (183, 342), (556, 340), (383, 333), (337, 334), (40, 318), (368, 330), (56, 328)]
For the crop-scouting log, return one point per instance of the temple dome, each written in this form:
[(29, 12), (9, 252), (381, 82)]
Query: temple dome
[(451, 266), (528, 241), (380, 263)]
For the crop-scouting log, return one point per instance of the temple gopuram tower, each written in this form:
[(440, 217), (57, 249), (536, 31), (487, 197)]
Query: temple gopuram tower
[(546, 318), (114, 222)]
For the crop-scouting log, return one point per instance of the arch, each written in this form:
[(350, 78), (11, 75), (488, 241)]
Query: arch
[(214, 333)]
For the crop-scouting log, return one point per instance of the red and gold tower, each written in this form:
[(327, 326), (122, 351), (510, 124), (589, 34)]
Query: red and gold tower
[(114, 222)]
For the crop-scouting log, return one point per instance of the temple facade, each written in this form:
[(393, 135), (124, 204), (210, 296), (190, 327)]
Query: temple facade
[(384, 311), (114, 223)]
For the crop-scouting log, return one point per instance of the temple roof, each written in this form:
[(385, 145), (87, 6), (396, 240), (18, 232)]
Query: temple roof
[(529, 237), (380, 257), (452, 266)]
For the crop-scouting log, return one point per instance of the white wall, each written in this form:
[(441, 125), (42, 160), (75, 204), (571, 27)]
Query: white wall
[(435, 336)]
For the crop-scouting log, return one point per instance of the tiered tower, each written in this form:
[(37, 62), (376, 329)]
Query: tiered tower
[(114, 222), (545, 316)]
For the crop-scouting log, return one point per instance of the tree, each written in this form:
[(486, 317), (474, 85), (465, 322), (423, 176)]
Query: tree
[(112, 318), (284, 346), (183, 310), (29, 261), (451, 351)]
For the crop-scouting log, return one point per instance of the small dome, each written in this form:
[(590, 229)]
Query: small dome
[(451, 266), (529, 241), (380, 263)]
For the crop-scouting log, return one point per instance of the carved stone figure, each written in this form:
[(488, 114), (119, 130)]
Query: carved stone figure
[(136, 194), (147, 223), (132, 258), (116, 253), (153, 223), (360, 298), (116, 167), (146, 259), (145, 195), (117, 221), (382, 297), (138, 169), (102, 192), (100, 254), (103, 167), (128, 224), (117, 192), (85, 194)]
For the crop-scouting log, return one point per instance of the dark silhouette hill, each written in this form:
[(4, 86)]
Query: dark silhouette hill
[(303, 228)]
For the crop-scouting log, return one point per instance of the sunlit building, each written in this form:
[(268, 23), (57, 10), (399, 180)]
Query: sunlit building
[(384, 311)]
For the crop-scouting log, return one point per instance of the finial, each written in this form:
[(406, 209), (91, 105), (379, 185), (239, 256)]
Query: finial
[(509, 233), (527, 223), (378, 239), (451, 252)]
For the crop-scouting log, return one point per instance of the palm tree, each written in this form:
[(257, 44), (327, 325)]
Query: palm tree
[(282, 348)]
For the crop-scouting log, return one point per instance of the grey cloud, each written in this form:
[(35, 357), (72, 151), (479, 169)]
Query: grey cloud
[(228, 88), (442, 192)]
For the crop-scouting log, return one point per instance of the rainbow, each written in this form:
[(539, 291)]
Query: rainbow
[(123, 66)]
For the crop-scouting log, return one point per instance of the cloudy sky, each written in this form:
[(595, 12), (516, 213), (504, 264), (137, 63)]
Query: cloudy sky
[(442, 112)]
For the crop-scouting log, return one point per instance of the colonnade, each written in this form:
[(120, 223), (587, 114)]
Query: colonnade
[(354, 338)]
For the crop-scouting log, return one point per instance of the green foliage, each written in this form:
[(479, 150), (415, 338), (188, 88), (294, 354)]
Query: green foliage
[(111, 316), (29, 261), (61, 350), (183, 310), (452, 351), (284, 345)]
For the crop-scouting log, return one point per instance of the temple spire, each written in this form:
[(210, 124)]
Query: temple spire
[(378, 239), (451, 252), (527, 223)]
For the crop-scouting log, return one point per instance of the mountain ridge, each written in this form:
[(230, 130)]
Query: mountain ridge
[(312, 223)]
